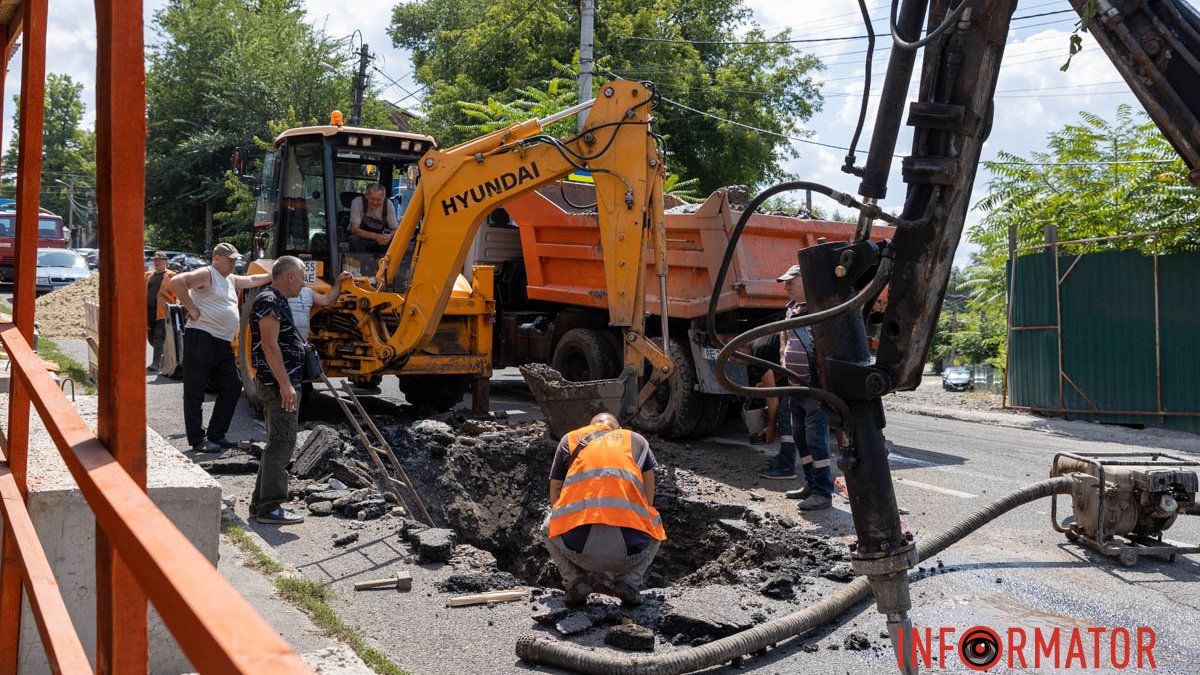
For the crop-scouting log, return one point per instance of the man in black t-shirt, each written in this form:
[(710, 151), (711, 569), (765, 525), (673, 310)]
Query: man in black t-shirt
[(277, 353)]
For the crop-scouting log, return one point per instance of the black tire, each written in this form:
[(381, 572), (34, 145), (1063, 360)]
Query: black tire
[(675, 409), (584, 354), (714, 410), (439, 392), (249, 385)]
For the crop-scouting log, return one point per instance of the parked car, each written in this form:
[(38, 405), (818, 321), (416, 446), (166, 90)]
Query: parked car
[(186, 262), (91, 256), (57, 267), (957, 379)]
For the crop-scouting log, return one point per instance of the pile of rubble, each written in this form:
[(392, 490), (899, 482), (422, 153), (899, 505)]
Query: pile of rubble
[(59, 314)]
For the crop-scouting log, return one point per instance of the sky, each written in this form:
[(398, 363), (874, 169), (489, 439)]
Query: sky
[(1033, 97)]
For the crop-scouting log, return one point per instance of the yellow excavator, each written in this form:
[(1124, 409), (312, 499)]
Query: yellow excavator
[(411, 311)]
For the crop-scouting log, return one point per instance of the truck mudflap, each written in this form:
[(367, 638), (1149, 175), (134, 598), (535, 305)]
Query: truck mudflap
[(570, 405), (705, 357)]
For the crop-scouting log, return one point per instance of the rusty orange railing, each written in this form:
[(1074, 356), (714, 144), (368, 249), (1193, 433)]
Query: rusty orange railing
[(141, 556)]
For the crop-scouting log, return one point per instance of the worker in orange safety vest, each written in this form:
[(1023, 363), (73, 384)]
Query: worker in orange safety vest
[(602, 521), (159, 294)]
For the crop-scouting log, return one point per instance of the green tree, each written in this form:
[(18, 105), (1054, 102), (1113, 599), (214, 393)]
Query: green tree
[(1096, 179), (220, 73), (69, 155), (485, 50)]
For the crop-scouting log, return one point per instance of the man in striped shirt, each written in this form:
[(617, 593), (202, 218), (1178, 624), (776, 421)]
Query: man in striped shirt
[(808, 419)]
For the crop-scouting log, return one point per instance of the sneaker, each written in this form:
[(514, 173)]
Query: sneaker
[(225, 443), (280, 516), (151, 369), (802, 493), (206, 446), (815, 502), (778, 474), (630, 597), (577, 593)]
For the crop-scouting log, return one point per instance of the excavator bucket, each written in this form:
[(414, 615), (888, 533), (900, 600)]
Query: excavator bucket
[(570, 405)]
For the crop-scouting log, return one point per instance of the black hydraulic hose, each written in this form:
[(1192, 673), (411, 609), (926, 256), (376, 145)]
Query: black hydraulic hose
[(851, 154), (572, 657), (711, 319)]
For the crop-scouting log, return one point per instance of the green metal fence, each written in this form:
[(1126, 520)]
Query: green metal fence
[(1107, 337)]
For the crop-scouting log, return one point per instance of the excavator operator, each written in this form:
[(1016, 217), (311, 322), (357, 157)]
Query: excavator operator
[(372, 225)]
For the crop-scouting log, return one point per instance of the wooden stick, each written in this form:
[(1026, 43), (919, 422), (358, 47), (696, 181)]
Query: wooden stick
[(487, 598)]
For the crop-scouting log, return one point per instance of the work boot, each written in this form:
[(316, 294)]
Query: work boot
[(802, 493), (280, 516), (577, 593), (225, 443), (630, 597), (815, 502)]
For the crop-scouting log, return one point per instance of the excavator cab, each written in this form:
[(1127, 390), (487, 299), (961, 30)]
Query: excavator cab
[(309, 181)]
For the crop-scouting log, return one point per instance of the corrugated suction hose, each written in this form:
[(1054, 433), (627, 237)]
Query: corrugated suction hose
[(572, 657)]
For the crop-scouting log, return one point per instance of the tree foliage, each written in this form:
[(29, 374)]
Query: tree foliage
[(482, 51), (1095, 179), (69, 155), (220, 74)]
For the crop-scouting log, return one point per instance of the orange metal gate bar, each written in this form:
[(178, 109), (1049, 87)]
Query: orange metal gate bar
[(121, 645), (218, 630), (139, 551), (29, 169), (63, 649)]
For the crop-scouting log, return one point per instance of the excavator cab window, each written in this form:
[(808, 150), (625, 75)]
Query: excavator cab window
[(267, 206), (303, 232)]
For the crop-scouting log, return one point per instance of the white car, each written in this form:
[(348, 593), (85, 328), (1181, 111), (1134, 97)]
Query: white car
[(58, 267)]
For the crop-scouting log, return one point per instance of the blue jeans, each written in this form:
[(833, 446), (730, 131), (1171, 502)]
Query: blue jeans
[(810, 428)]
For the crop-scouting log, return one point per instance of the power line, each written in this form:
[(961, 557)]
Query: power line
[(1096, 163), (809, 40)]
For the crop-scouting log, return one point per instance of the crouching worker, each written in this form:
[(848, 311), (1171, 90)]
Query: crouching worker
[(602, 525)]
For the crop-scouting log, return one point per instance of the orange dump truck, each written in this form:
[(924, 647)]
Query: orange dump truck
[(552, 301)]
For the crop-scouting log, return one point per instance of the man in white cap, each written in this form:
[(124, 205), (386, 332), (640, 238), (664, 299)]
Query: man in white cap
[(209, 294)]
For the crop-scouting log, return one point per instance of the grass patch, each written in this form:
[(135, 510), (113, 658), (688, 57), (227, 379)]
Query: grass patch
[(311, 597), (73, 369), (255, 558)]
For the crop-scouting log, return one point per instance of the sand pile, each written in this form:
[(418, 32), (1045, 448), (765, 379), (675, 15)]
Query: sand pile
[(60, 313)]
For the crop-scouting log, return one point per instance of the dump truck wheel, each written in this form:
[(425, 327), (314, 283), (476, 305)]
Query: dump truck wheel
[(675, 409), (439, 392), (584, 354), (714, 410), (249, 385)]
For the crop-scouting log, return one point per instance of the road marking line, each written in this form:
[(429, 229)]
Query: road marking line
[(935, 488)]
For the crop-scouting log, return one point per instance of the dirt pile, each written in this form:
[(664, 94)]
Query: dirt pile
[(60, 313)]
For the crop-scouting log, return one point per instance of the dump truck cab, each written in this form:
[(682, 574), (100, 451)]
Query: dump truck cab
[(309, 181)]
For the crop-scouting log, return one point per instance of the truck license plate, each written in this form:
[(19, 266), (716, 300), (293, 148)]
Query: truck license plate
[(711, 353)]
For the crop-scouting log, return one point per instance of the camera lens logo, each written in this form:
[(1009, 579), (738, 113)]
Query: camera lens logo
[(979, 648)]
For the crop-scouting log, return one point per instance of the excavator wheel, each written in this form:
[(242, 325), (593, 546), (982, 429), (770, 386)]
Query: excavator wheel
[(583, 354), (439, 392), (675, 409)]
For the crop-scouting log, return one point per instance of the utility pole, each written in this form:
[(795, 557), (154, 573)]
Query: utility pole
[(71, 210), (360, 85), (208, 228), (587, 13)]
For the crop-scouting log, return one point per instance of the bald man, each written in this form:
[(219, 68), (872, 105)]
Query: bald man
[(602, 525)]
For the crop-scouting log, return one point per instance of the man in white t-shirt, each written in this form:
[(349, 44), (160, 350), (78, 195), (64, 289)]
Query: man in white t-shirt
[(372, 225), (209, 295), (301, 307)]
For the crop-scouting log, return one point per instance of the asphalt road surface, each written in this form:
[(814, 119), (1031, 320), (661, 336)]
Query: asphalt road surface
[(1016, 572)]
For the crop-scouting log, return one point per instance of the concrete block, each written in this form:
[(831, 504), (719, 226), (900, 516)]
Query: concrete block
[(64, 522)]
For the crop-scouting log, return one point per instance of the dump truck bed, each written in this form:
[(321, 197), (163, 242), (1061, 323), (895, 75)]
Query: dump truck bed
[(561, 248)]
